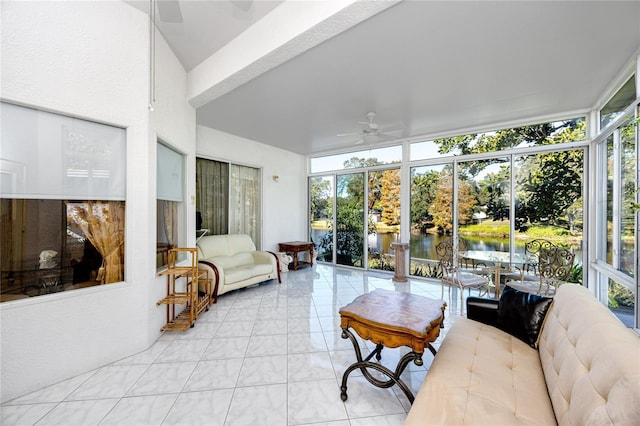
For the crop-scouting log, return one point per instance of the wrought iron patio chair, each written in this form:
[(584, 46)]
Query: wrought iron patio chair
[(529, 270), (554, 268), (453, 274)]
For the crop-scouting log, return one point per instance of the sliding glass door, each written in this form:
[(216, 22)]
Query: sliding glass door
[(228, 199)]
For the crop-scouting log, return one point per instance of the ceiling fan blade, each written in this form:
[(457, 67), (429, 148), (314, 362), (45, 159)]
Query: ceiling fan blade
[(359, 141), (385, 137), (348, 134), (392, 128), (243, 5), (169, 11)]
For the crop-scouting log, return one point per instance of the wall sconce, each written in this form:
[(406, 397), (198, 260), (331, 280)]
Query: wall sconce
[(275, 178)]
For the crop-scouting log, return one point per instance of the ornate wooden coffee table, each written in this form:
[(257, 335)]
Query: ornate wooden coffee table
[(390, 319)]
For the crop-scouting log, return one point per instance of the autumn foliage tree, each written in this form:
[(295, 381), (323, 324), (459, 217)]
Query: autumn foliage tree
[(442, 207), (390, 197)]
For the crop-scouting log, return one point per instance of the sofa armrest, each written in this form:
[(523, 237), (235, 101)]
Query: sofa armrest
[(263, 257), (216, 275), (268, 258), (483, 310)]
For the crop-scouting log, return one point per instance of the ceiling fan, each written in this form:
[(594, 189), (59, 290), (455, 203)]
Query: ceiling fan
[(371, 131), (170, 12)]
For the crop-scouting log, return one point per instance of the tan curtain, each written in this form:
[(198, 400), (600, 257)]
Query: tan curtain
[(170, 222), (244, 197), (103, 224), (212, 188)]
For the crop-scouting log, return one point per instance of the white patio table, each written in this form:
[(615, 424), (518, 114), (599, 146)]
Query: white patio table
[(498, 258)]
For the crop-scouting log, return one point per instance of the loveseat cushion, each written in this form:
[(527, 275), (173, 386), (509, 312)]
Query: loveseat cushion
[(261, 269), (234, 275), (212, 246), (522, 314), (235, 261), (482, 376), (239, 243)]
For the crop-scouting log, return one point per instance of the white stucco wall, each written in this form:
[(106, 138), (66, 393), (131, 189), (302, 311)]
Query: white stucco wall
[(90, 60), (284, 203)]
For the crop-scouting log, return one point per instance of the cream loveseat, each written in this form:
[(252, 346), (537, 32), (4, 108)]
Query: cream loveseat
[(233, 262), (585, 370)]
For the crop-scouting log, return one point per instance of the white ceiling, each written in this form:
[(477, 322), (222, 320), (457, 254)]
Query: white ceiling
[(426, 67)]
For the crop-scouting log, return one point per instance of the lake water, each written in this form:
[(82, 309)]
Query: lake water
[(423, 246)]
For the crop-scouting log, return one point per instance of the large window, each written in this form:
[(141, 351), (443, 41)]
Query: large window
[(62, 184), (554, 132), (373, 156), (431, 215), (384, 213), (618, 103), (321, 196), (169, 207), (500, 190), (616, 214), (367, 214)]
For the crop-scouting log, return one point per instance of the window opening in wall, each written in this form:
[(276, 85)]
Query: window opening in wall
[(367, 214), (483, 200), (62, 206), (350, 216), (321, 202), (212, 195), (618, 103), (228, 198), (547, 195), (244, 202), (621, 301), (383, 207), (569, 130), (370, 157), (431, 214), (549, 201), (616, 216), (169, 204)]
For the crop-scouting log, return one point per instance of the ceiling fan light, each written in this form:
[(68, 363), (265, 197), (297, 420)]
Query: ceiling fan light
[(370, 138)]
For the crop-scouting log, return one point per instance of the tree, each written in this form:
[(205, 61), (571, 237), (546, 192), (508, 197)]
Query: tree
[(494, 194), (538, 134), (424, 187), (442, 207), (548, 184), (320, 195), (390, 196)]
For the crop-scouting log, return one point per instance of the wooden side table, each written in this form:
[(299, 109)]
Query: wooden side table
[(294, 247), (390, 319)]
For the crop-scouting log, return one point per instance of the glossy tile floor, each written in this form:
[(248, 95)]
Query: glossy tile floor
[(266, 355)]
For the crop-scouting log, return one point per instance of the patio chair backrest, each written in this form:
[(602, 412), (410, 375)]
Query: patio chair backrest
[(533, 249), (444, 251), (555, 263)]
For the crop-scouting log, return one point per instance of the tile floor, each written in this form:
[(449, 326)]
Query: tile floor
[(266, 355)]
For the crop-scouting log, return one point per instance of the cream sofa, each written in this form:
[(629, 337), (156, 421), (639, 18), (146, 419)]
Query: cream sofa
[(233, 262), (586, 370)]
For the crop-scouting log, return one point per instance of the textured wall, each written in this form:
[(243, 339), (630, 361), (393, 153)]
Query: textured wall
[(284, 203), (90, 60)]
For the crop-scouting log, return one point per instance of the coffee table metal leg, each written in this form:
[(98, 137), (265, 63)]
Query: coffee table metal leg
[(364, 364)]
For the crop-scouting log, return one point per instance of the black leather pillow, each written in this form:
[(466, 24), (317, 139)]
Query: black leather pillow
[(521, 314)]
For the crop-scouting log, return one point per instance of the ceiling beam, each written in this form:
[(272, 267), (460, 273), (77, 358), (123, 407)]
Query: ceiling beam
[(289, 30)]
